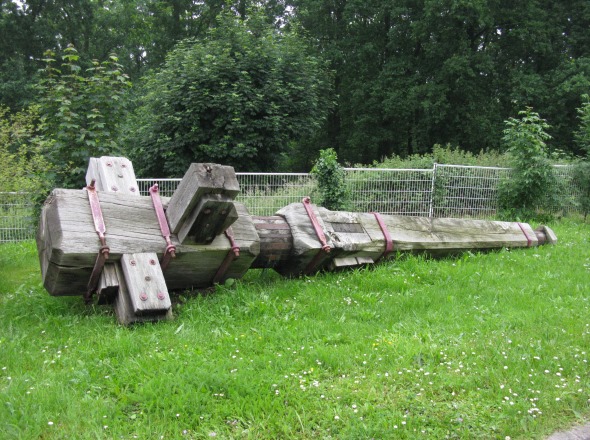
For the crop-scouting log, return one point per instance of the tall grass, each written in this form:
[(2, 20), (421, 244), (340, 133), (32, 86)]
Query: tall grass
[(481, 346)]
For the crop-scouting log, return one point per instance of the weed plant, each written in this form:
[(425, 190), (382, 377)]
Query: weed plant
[(492, 345)]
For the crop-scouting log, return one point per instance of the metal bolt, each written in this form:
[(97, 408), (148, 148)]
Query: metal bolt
[(120, 175), (148, 278), (109, 164), (123, 165), (161, 296), (132, 189), (153, 262), (114, 188), (143, 296), (132, 262)]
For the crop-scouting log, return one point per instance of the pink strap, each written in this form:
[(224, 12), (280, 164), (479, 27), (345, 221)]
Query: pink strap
[(313, 264), (528, 239), (170, 251), (388, 241), (233, 253)]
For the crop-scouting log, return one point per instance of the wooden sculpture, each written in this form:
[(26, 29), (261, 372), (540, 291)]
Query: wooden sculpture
[(129, 249)]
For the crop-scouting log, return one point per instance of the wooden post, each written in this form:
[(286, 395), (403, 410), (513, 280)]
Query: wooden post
[(202, 204), (116, 175)]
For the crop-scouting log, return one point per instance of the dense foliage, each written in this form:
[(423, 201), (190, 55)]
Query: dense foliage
[(80, 112), (330, 178), (239, 97), (407, 74), (24, 167), (582, 170), (532, 184)]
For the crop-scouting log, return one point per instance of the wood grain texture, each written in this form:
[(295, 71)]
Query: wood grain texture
[(68, 243), (108, 284), (212, 215), (124, 307), (145, 283), (200, 179), (113, 174)]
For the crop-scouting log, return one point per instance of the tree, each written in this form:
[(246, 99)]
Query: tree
[(582, 168), (80, 114), (240, 96), (532, 185), (24, 165)]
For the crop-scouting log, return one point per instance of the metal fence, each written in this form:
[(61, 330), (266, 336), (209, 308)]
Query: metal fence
[(16, 217), (442, 191)]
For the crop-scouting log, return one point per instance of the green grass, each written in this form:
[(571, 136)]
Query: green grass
[(480, 346)]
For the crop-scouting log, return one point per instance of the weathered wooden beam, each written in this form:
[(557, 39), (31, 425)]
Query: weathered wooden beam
[(201, 205), (276, 241), (146, 284), (357, 238), (112, 174), (68, 243)]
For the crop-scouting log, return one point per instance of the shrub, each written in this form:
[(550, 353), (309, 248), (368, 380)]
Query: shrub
[(330, 177), (530, 190)]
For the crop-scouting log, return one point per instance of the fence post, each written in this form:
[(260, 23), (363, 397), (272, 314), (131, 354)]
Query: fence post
[(431, 207)]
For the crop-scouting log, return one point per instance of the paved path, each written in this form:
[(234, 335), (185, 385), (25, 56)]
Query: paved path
[(577, 433)]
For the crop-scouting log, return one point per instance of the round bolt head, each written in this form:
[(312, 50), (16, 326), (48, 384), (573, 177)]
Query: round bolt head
[(153, 262), (143, 296), (161, 296), (109, 164), (132, 262), (114, 188), (148, 278), (132, 189)]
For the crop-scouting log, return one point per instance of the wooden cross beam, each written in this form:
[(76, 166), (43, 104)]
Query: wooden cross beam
[(213, 238)]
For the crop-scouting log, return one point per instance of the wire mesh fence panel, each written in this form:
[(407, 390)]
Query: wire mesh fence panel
[(444, 191), (389, 191), (568, 191), (16, 217), (266, 193), (166, 187), (466, 191), (262, 193)]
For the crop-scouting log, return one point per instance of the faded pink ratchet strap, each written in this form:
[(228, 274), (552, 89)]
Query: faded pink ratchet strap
[(528, 239), (312, 266), (388, 241), (99, 226), (170, 251), (232, 255)]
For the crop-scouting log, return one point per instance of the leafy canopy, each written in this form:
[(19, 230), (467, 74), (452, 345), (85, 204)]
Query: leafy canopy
[(240, 96), (80, 112)]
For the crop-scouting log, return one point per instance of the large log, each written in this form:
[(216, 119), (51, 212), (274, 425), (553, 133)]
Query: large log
[(357, 238), (68, 243), (109, 217)]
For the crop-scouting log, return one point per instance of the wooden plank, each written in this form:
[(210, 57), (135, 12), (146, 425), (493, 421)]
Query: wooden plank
[(68, 243), (200, 179), (213, 214), (145, 283), (114, 174), (124, 307), (108, 284)]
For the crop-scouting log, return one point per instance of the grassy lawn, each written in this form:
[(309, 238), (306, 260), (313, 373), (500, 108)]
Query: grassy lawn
[(481, 346)]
